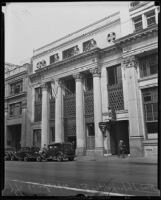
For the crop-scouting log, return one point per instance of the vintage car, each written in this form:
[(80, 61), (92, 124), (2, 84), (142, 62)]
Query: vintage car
[(57, 151), (32, 154), (21, 154), (8, 153)]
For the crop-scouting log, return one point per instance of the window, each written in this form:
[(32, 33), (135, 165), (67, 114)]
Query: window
[(88, 45), (52, 134), (138, 23), (54, 58), (150, 100), (37, 138), (16, 88), (148, 65), (89, 83), (70, 52), (70, 87), (114, 75), (15, 109), (38, 94), (150, 18)]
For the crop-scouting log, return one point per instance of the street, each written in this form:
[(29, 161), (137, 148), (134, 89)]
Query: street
[(91, 178)]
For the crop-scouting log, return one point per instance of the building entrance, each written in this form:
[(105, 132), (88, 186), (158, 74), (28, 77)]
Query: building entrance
[(119, 131), (14, 136)]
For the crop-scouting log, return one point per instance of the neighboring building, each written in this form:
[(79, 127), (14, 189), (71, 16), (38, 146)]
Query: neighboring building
[(16, 86), (101, 70)]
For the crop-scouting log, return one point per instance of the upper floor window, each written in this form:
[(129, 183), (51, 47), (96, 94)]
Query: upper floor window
[(15, 109), (138, 23), (54, 58), (114, 75), (16, 88), (89, 83), (70, 52), (89, 45), (148, 65), (38, 95), (150, 18)]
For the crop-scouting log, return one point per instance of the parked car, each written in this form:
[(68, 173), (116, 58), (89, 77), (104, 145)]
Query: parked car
[(32, 154), (9, 152), (21, 154), (58, 151)]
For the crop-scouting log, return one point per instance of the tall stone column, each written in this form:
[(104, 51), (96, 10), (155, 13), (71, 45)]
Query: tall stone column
[(59, 127), (45, 116), (99, 144), (80, 121), (134, 107)]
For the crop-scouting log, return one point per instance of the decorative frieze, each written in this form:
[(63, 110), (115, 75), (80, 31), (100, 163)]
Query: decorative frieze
[(41, 64)]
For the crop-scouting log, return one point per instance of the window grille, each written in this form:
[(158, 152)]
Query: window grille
[(70, 52), (150, 100), (88, 45), (54, 58), (69, 106), (148, 65), (150, 17), (52, 109), (89, 104)]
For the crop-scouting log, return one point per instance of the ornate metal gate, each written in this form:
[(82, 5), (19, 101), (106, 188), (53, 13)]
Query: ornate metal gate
[(69, 116)]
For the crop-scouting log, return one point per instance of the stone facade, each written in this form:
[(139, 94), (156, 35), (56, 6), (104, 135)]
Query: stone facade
[(104, 81)]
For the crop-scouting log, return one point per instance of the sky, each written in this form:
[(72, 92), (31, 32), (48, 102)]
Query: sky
[(29, 26)]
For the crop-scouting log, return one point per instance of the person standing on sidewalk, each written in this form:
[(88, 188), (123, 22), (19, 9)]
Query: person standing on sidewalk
[(122, 149)]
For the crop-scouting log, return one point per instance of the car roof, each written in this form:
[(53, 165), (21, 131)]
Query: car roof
[(53, 143)]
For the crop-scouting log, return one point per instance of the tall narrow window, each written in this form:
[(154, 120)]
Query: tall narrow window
[(38, 104), (150, 100), (114, 75), (138, 23), (150, 17)]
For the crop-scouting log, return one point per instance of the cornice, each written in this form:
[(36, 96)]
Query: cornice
[(136, 35), (16, 75), (94, 52), (45, 52), (23, 94)]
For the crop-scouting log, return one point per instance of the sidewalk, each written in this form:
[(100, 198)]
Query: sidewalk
[(127, 159)]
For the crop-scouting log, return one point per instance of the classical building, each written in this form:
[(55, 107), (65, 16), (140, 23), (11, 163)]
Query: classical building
[(16, 122), (106, 72)]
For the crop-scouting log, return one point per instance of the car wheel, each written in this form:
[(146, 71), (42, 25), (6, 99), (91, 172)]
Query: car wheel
[(25, 159), (12, 158), (59, 158), (38, 159), (70, 159)]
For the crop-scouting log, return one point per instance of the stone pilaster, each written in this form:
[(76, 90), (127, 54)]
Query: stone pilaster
[(45, 116), (99, 145), (59, 127), (23, 125), (134, 107), (80, 121)]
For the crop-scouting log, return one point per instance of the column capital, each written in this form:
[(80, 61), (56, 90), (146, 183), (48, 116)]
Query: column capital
[(59, 81), (44, 86), (77, 76), (130, 61), (96, 71)]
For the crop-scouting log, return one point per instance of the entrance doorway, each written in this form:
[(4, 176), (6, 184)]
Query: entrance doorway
[(119, 131), (72, 139), (90, 136), (14, 136)]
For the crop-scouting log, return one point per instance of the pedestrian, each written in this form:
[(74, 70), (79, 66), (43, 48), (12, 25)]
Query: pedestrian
[(122, 149)]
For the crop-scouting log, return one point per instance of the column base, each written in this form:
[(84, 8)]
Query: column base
[(99, 151), (136, 146), (80, 151)]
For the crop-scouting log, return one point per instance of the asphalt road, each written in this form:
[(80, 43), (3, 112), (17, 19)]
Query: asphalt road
[(91, 178)]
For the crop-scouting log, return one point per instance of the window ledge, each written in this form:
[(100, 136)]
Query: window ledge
[(14, 117), (148, 78)]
